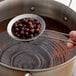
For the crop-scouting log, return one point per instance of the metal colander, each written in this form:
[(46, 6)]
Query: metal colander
[(38, 54)]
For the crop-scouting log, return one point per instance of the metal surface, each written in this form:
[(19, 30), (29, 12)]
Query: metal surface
[(53, 10), (61, 39), (27, 74), (22, 16), (41, 53), (46, 8)]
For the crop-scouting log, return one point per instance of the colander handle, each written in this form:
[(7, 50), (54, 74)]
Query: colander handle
[(28, 74), (70, 3), (60, 39)]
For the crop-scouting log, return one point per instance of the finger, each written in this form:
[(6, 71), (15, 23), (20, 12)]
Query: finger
[(73, 35), (70, 45)]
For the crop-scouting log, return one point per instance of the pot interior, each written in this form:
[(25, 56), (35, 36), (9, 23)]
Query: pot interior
[(41, 53)]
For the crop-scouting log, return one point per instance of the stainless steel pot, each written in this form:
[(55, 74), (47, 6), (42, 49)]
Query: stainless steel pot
[(48, 8)]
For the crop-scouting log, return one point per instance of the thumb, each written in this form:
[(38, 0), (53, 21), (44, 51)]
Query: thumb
[(73, 35)]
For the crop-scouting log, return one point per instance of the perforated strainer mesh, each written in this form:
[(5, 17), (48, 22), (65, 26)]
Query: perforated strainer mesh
[(38, 54)]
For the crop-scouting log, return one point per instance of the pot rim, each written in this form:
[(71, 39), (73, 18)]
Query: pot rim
[(39, 70)]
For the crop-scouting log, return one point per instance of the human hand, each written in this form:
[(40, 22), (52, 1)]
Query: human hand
[(72, 35)]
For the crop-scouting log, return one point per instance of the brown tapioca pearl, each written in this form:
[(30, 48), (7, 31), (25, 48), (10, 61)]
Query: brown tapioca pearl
[(39, 26), (31, 30), (22, 28), (15, 25), (37, 30), (17, 22), (22, 20), (20, 25), (18, 35), (25, 20), (30, 23), (30, 19), (35, 25), (26, 29), (16, 29), (31, 36), (25, 25), (23, 37), (36, 22), (26, 34), (15, 32), (22, 32), (31, 26)]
